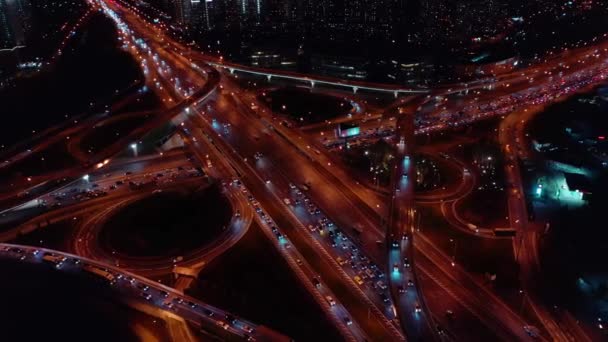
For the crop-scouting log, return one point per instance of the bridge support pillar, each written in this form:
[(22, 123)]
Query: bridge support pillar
[(231, 71), (268, 77), (396, 93), (312, 84), (355, 90)]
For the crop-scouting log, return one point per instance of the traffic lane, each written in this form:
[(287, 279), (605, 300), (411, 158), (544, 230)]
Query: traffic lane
[(452, 312), (461, 282), (358, 308), (135, 287), (331, 167), (332, 307), (337, 313), (345, 249), (299, 170)]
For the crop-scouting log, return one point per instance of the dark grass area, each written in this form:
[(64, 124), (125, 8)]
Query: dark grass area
[(102, 136), (54, 236), (167, 224), (486, 205), (479, 256), (449, 175), (54, 158), (253, 281), (142, 101), (370, 162), (485, 208), (305, 107), (42, 304), (428, 173), (90, 72)]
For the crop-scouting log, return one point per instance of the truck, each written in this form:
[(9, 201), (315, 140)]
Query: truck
[(56, 260), (102, 273), (504, 232)]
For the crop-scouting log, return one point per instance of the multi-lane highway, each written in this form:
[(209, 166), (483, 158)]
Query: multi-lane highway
[(348, 244)]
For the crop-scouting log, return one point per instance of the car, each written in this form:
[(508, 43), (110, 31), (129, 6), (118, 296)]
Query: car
[(208, 312), (440, 330), (406, 262), (230, 319), (395, 244), (169, 305), (299, 262), (381, 285), (248, 329), (401, 289), (396, 267), (532, 331), (192, 305), (347, 320), (316, 282), (143, 287), (340, 261), (330, 300), (384, 297), (449, 313), (358, 280), (223, 325), (164, 294), (146, 295), (417, 308)]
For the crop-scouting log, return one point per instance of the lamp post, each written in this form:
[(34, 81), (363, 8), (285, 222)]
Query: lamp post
[(134, 148)]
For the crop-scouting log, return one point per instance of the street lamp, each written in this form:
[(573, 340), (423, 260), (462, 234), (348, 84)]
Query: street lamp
[(134, 148), (455, 242)]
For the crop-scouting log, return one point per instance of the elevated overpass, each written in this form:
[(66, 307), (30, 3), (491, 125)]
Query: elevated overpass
[(134, 287), (313, 80)]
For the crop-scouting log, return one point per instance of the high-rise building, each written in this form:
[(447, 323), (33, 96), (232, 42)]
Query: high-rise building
[(14, 22), (6, 35)]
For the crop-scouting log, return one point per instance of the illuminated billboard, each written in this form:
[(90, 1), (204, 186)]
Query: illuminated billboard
[(347, 130)]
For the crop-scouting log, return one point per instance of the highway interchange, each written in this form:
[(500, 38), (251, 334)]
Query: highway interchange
[(358, 251)]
